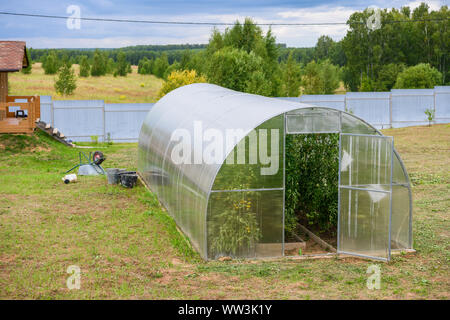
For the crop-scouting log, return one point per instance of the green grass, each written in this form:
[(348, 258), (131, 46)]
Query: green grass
[(128, 247)]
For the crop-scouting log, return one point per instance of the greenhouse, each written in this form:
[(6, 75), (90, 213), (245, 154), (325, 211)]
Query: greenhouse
[(244, 175)]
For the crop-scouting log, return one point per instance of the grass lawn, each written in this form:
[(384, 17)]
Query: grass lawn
[(127, 246), (134, 88)]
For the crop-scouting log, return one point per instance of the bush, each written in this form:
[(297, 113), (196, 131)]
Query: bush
[(430, 116), (178, 79), (421, 76), (173, 67), (387, 76), (235, 69)]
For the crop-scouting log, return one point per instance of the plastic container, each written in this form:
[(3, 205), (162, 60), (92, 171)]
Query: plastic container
[(128, 179), (113, 175)]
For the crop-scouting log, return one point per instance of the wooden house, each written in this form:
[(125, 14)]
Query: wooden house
[(17, 113)]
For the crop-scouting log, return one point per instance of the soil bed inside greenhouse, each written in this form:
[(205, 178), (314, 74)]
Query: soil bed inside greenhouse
[(311, 245)]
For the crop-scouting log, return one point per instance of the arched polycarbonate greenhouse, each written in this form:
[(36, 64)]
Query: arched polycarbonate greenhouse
[(215, 158)]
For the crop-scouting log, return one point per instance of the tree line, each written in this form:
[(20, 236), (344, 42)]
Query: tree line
[(409, 50), (99, 65)]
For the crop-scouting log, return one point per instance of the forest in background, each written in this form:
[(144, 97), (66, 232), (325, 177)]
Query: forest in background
[(409, 50)]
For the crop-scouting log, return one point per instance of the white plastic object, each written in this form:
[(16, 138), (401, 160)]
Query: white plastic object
[(68, 178)]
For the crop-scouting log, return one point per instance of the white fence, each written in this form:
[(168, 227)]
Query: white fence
[(395, 109), (123, 121), (79, 120)]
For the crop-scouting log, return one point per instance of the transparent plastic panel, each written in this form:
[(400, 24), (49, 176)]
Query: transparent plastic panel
[(257, 161), (245, 224), (401, 237), (312, 120), (364, 223), (365, 195), (184, 188), (366, 161), (399, 176), (350, 124)]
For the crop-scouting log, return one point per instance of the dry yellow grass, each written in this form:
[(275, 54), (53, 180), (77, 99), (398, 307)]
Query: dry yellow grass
[(132, 89)]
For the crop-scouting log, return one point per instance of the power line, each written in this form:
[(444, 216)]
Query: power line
[(206, 23), (169, 22)]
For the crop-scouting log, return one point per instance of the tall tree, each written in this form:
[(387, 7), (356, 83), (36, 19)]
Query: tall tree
[(122, 65), (66, 83), (320, 78), (422, 36), (51, 63), (161, 65), (291, 77), (85, 67), (239, 45), (99, 64), (323, 47)]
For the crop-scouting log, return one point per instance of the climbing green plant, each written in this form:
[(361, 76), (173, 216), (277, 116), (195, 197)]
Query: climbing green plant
[(235, 230), (311, 181)]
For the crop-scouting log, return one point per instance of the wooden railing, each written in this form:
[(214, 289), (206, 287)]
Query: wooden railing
[(8, 121)]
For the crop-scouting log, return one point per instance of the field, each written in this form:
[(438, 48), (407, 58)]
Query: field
[(134, 88), (127, 246)]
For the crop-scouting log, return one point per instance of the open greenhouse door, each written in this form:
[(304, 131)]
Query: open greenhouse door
[(365, 196)]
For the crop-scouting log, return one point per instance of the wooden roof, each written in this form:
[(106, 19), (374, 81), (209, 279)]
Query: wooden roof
[(13, 56)]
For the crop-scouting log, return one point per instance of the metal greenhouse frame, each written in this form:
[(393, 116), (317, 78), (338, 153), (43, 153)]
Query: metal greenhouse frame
[(238, 209)]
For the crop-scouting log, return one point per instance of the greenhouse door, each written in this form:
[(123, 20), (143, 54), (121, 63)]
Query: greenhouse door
[(365, 196)]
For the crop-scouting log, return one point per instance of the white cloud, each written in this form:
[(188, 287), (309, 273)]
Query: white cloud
[(433, 4), (110, 35)]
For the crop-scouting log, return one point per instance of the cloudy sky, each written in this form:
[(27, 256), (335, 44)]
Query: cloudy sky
[(53, 33)]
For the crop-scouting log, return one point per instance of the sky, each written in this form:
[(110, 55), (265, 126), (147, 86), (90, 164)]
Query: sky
[(54, 33)]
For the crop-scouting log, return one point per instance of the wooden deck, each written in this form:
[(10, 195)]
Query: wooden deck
[(8, 121), (13, 125)]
